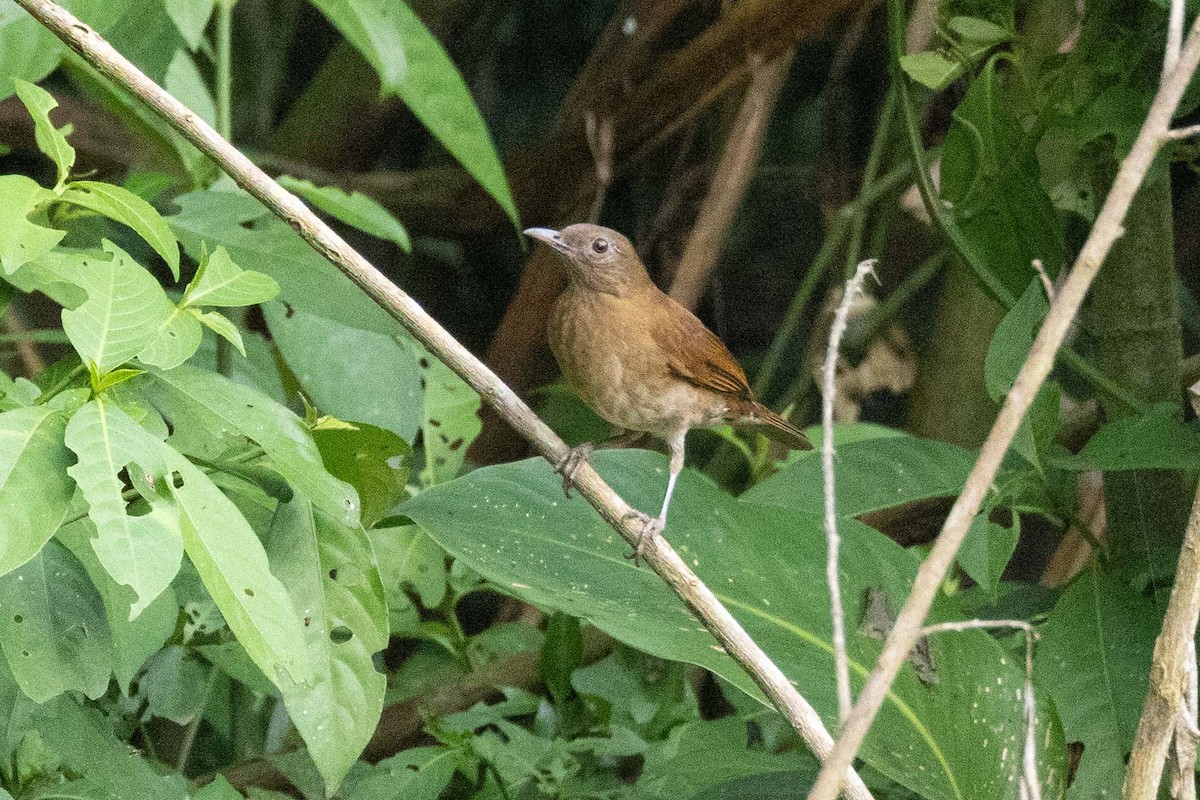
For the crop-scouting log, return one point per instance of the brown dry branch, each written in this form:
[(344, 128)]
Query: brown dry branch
[(658, 554), (1155, 133), (1165, 699), (729, 182), (841, 660)]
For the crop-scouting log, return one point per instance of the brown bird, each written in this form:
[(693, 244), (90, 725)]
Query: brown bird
[(641, 360)]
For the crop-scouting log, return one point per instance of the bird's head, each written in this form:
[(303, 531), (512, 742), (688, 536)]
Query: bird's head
[(598, 258)]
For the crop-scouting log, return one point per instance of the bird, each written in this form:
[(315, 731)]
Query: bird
[(640, 360)]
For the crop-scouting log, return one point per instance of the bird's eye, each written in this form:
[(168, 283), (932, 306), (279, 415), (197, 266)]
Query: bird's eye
[(600, 245)]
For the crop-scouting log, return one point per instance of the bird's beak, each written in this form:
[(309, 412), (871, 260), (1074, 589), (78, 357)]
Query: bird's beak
[(548, 236)]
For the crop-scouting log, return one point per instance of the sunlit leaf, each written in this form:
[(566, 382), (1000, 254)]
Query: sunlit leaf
[(122, 205)]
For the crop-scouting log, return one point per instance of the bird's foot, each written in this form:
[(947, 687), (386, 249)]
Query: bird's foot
[(569, 464), (651, 527)]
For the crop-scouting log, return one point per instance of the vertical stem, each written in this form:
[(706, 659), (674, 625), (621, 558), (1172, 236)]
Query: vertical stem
[(224, 67)]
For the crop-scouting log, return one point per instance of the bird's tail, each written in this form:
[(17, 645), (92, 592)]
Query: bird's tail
[(776, 428)]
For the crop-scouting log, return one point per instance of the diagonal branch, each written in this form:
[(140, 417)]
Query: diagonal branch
[(1153, 135), (658, 554)]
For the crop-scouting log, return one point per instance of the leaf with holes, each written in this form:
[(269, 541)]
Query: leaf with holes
[(35, 491), (52, 628), (124, 310), (205, 406), (950, 736), (140, 547), (22, 241), (330, 571), (233, 565), (50, 140), (121, 205), (451, 418), (374, 461)]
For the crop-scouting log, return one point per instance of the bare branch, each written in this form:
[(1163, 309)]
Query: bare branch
[(658, 554), (841, 661), (729, 181), (1174, 38), (1037, 366), (1169, 678)]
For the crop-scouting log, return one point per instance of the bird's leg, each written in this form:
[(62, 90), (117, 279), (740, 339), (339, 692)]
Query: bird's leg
[(653, 526), (569, 464)]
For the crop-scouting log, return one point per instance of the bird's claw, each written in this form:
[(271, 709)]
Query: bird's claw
[(651, 527), (569, 464)]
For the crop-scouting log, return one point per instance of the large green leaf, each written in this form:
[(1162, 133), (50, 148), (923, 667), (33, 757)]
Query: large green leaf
[(220, 282), (34, 488), (22, 241), (204, 407), (52, 630), (191, 18), (233, 565), (140, 548), (1158, 439), (330, 571), (450, 418), (353, 208), (257, 240), (125, 307), (954, 738), (1094, 660), (413, 65), (122, 205), (85, 741), (51, 141), (871, 475), (990, 178), (350, 373), (29, 50)]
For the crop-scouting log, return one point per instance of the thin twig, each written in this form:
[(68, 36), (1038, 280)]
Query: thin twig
[(1169, 680), (841, 661), (729, 181), (1031, 788), (1184, 133), (1107, 229), (658, 554), (1047, 284)]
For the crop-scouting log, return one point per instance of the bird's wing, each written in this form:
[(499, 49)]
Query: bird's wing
[(695, 354)]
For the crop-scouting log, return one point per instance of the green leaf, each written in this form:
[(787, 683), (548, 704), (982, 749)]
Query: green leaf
[(233, 565), (139, 547), (124, 310), (50, 140), (931, 69), (562, 654), (86, 742), (1013, 339), (133, 640), (191, 18), (986, 551), (35, 491), (374, 461), (943, 740), (705, 755), (418, 773), (871, 475), (355, 209), (220, 788), (350, 373), (231, 658), (330, 571), (53, 631), (175, 685), (990, 177), (189, 396), (22, 241), (1094, 661), (121, 205), (1158, 439), (451, 418), (409, 558), (220, 282), (178, 339), (185, 83), (413, 65), (978, 31), (220, 325)]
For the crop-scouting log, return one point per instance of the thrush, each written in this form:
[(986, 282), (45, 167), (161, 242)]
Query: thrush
[(640, 360)]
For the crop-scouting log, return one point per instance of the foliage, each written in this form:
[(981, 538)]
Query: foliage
[(243, 521)]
